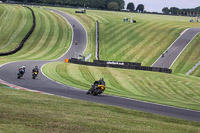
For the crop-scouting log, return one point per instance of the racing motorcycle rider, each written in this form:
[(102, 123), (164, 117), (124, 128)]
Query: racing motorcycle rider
[(22, 70), (99, 82), (35, 69)]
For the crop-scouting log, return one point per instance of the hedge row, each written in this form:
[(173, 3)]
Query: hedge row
[(117, 64), (24, 39)]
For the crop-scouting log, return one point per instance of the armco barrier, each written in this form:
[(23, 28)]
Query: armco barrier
[(116, 64), (25, 38)]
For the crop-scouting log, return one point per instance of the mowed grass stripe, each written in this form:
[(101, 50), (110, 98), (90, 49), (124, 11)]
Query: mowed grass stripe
[(133, 31), (176, 90), (154, 40), (146, 50), (115, 42), (9, 28), (45, 43), (127, 46), (44, 35), (144, 47), (49, 37), (63, 37), (36, 36), (3, 11), (48, 30), (17, 31), (15, 23)]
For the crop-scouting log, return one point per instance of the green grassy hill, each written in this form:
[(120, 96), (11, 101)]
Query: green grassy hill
[(50, 39), (153, 34), (22, 111), (15, 23), (143, 41), (176, 90)]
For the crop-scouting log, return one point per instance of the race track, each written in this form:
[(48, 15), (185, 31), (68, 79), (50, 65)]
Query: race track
[(173, 52), (8, 73)]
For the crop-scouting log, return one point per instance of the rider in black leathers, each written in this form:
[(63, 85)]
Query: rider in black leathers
[(21, 70), (36, 69), (96, 83)]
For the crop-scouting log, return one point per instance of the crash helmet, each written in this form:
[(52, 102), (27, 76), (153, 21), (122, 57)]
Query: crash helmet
[(36, 67), (23, 67)]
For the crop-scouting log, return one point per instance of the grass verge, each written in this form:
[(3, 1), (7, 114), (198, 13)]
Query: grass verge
[(22, 111)]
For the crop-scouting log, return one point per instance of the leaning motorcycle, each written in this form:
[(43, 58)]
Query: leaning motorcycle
[(34, 74), (97, 88), (20, 74)]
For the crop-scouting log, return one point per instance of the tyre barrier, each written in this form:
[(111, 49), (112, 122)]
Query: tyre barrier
[(117, 64), (25, 38)]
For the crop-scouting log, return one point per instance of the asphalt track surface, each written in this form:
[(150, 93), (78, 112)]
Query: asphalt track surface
[(8, 73), (173, 52)]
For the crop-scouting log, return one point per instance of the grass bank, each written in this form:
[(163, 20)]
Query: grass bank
[(50, 39), (22, 111), (176, 90), (15, 23), (143, 41)]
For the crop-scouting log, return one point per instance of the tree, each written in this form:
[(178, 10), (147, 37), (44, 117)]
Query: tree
[(130, 6), (140, 8), (174, 10), (113, 6), (120, 3), (165, 10)]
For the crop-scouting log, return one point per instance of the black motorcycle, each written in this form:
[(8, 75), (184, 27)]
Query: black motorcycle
[(20, 74), (34, 74), (98, 87)]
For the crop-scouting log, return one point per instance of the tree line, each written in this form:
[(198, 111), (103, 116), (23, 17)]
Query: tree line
[(184, 12), (100, 4), (131, 7), (166, 10)]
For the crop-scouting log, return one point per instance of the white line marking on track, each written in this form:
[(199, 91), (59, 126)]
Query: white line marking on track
[(171, 45)]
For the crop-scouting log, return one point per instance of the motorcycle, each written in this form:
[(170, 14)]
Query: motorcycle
[(20, 74), (97, 88), (34, 74)]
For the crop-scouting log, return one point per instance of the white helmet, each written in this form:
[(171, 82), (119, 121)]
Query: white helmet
[(23, 66)]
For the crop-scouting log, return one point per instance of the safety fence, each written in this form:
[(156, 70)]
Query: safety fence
[(117, 64), (25, 38)]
